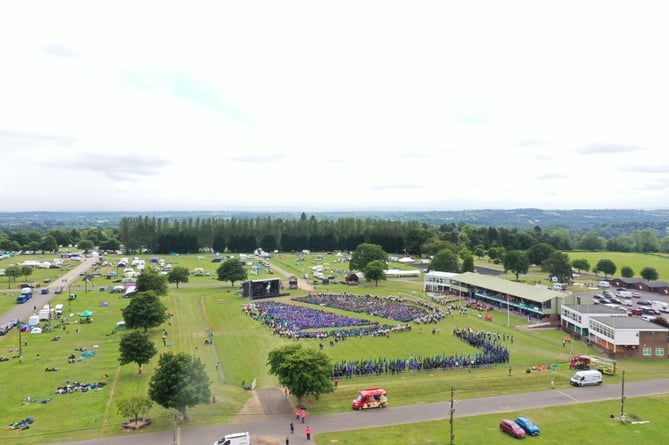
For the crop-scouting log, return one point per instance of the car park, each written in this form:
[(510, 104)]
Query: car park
[(511, 428), (528, 425), (650, 311)]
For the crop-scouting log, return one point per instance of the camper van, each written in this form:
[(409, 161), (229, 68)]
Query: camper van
[(59, 310), (234, 439), (583, 378)]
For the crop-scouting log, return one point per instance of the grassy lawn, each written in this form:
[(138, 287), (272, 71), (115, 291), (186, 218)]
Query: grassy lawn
[(241, 345), (584, 424)]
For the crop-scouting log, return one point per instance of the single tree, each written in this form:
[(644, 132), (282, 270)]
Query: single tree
[(151, 280), (517, 262), (581, 264), (179, 382), (591, 241), (231, 270), (365, 253), (467, 263), (178, 274), (134, 407), (626, 272), (479, 251), (86, 245), (12, 272), (375, 271), (496, 254), (559, 266), (444, 261), (607, 267), (135, 347), (304, 371), (649, 274), (26, 271), (145, 310), (49, 244), (539, 252)]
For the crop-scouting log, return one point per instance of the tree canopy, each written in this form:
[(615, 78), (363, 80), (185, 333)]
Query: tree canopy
[(304, 371), (134, 406), (231, 270), (145, 310), (444, 261), (649, 274), (135, 347), (559, 266), (178, 274), (606, 266), (375, 271), (179, 382), (365, 253), (517, 262), (151, 280)]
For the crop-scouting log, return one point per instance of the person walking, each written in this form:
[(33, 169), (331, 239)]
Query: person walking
[(287, 441), (297, 414), (303, 414), (292, 428), (307, 431)]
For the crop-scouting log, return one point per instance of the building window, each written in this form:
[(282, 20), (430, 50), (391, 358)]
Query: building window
[(647, 352), (659, 352)]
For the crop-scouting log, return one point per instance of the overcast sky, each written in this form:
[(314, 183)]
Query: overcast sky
[(310, 105)]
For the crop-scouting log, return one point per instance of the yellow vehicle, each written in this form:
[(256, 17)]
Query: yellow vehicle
[(603, 365)]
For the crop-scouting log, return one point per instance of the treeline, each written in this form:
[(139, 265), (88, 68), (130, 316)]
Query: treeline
[(190, 235)]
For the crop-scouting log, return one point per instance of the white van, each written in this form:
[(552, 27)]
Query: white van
[(604, 284), (59, 309), (234, 439), (583, 378)]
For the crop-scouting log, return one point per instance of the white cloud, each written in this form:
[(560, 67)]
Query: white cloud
[(305, 105)]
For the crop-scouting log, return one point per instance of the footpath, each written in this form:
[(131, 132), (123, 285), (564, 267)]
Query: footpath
[(272, 425)]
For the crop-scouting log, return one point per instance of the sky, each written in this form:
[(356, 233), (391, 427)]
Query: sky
[(333, 106)]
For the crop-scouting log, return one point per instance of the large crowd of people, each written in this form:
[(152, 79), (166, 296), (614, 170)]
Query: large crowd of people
[(295, 321), (391, 307)]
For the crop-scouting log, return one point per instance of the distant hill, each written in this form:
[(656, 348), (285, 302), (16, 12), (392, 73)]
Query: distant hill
[(580, 220)]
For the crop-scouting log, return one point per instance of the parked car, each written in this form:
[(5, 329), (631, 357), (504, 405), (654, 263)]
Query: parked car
[(650, 311), (597, 297), (635, 312), (607, 294), (636, 295), (510, 427), (644, 303), (528, 425), (616, 300), (621, 289), (628, 303)]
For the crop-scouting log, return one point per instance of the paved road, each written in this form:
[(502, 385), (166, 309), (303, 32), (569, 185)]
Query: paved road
[(23, 311), (273, 428)]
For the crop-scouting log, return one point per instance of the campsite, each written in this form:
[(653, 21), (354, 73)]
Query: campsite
[(249, 343)]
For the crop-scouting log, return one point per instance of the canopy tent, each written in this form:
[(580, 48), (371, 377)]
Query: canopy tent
[(86, 314)]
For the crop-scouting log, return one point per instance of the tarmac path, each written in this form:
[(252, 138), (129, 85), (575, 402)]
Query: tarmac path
[(272, 426), (65, 281)]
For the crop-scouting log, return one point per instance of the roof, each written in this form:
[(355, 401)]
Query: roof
[(630, 323), (532, 293), (595, 309)]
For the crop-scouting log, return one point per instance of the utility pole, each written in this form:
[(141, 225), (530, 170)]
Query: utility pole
[(451, 414), (622, 399)]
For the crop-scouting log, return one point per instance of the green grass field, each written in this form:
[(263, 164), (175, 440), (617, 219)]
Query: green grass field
[(241, 345)]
